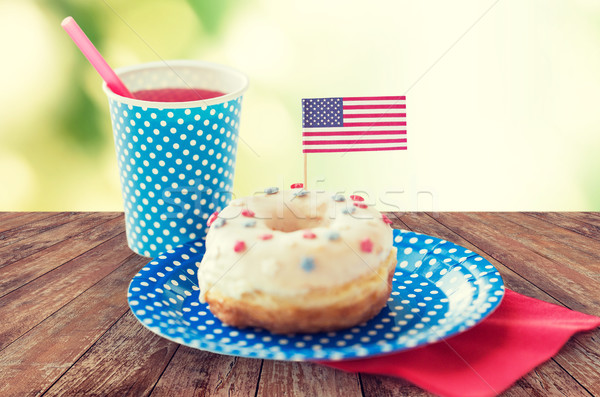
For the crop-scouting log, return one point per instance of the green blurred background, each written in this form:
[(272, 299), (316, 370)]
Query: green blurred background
[(502, 96)]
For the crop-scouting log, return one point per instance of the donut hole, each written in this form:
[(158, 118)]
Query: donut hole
[(290, 225), (294, 218)]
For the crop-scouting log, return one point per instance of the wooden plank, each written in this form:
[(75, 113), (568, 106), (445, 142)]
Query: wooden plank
[(7, 215), (547, 380), (24, 247), (280, 378), (194, 372), (581, 358), (12, 220), (128, 359), (25, 270), (568, 286), (38, 226), (387, 386), (579, 222), (580, 253), (592, 217), (552, 231), (31, 364), (25, 307)]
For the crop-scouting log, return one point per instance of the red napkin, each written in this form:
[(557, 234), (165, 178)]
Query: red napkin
[(487, 359)]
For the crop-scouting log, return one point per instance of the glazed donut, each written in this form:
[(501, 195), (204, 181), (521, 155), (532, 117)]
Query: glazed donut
[(297, 261)]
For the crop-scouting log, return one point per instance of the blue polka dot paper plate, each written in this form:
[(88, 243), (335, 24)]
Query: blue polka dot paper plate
[(439, 289)]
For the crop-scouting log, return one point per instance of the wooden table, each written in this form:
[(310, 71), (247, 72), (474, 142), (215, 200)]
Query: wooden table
[(66, 328)]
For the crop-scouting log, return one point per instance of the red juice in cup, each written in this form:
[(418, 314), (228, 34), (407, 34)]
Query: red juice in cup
[(176, 94)]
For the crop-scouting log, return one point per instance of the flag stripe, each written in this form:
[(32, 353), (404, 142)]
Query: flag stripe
[(355, 141), (392, 106), (373, 123), (346, 128), (378, 103), (375, 98), (359, 115), (361, 132), (368, 111), (355, 138), (357, 149), (363, 145), (359, 140)]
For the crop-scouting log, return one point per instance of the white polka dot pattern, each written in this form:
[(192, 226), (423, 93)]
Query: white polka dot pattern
[(176, 168), (439, 290)]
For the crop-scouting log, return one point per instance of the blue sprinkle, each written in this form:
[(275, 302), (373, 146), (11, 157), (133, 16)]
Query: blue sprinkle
[(271, 190), (250, 223), (338, 197), (301, 193), (349, 210), (333, 236), (219, 222), (307, 263)]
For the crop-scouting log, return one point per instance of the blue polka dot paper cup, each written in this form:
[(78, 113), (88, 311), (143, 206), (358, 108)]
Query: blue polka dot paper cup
[(176, 159)]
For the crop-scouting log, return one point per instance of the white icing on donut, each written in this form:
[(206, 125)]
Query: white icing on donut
[(315, 242)]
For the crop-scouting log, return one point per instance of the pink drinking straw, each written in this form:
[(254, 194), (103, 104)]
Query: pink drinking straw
[(91, 53)]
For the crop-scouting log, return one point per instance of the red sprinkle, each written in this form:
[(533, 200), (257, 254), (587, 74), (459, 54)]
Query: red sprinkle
[(386, 219), (366, 245), (212, 218), (309, 234), (356, 198), (297, 185), (239, 246), (248, 213), (265, 237), (360, 205)]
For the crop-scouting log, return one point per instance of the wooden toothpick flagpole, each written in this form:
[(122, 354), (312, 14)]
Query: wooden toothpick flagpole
[(305, 168)]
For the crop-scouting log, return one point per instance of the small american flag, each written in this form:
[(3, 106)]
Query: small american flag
[(353, 124)]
